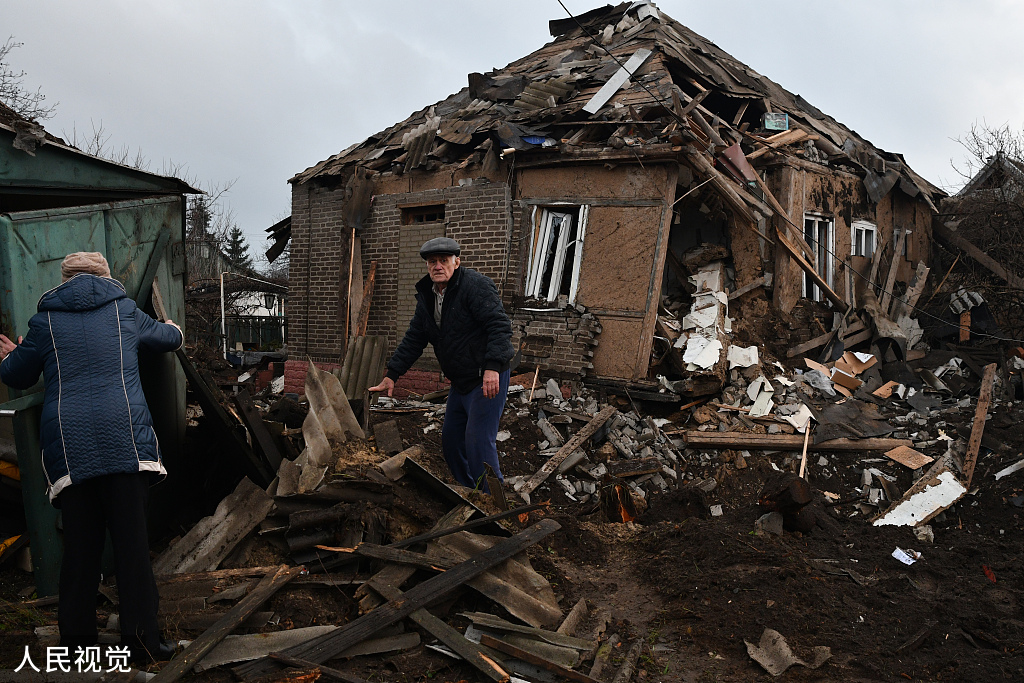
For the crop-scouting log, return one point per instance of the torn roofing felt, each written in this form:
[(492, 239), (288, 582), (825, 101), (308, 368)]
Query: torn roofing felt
[(535, 105)]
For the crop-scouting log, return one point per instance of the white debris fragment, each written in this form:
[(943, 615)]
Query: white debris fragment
[(503, 435), (702, 352), (907, 556), (742, 357), (1007, 471)]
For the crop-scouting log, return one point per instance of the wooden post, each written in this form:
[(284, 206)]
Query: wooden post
[(984, 401), (965, 325), (807, 440)]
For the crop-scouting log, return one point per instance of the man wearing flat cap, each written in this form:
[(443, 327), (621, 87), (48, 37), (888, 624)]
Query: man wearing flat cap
[(459, 312), (100, 453)]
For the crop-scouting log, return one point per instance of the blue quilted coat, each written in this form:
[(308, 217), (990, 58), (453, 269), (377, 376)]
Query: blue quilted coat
[(85, 340)]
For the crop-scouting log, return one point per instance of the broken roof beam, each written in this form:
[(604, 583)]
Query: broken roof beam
[(619, 79), (783, 442), (961, 243)]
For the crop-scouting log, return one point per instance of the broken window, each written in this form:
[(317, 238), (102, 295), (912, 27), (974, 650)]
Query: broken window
[(556, 248), (412, 215), (820, 236), (863, 238)]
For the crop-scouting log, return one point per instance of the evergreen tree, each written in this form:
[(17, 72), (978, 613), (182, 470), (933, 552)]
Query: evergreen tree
[(237, 249)]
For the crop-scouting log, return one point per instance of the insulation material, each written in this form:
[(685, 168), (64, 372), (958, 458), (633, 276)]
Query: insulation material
[(927, 498)]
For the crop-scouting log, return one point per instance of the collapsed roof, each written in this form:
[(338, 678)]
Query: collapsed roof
[(685, 88)]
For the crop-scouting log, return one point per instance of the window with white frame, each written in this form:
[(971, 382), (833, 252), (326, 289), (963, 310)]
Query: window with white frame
[(863, 238), (819, 234), (556, 249)]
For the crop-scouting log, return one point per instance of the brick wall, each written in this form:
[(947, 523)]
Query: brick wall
[(318, 274), (417, 382), (561, 342), (479, 216), (476, 216), (295, 374)]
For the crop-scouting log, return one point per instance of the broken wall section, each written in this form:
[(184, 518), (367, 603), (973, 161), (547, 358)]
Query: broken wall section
[(559, 342)]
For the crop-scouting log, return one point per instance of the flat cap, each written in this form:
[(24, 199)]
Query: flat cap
[(440, 245)]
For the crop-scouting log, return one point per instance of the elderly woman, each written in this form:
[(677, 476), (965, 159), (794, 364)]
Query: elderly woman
[(100, 453)]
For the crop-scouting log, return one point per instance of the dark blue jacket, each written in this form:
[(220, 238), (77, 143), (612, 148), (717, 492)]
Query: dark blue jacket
[(85, 341), (475, 333)]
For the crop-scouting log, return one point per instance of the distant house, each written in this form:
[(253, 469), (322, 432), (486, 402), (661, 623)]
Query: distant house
[(582, 177)]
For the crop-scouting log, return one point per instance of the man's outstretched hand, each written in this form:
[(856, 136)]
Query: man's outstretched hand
[(491, 383), (387, 384), (6, 346)]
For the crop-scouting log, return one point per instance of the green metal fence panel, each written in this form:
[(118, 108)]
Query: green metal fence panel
[(32, 246)]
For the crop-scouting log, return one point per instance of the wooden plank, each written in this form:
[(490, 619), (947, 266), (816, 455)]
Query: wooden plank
[(749, 287), (483, 521), (965, 326), (797, 235), (213, 538), (327, 671), (242, 572), (575, 442), (258, 429), (809, 269), (482, 659), (325, 647), (364, 307), (183, 663), (619, 79), (397, 575), (894, 266), (783, 442), (625, 674), (530, 658), (908, 457), (388, 438), (785, 138), (904, 305), (978, 430)]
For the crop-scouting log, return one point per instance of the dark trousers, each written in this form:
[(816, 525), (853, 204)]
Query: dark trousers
[(116, 502), (468, 436)]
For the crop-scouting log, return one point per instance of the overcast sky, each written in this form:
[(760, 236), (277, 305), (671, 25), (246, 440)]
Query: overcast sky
[(257, 90)]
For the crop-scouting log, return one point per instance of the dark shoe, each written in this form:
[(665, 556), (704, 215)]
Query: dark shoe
[(143, 657)]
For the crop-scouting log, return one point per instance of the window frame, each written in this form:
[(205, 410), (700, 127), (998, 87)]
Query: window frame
[(824, 255), (542, 224), (863, 227)]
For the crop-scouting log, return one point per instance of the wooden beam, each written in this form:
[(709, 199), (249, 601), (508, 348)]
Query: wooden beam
[(482, 659), (327, 671), (364, 307), (201, 646), (907, 302), (565, 451), (530, 658), (617, 80), (894, 267), (331, 644), (258, 429), (977, 254), (785, 138), (749, 287), (974, 444), (783, 442), (814, 274)]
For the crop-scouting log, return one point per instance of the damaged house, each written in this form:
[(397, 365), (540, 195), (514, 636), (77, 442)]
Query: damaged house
[(627, 163)]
